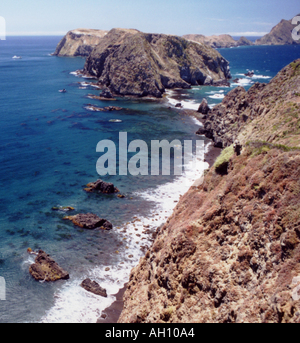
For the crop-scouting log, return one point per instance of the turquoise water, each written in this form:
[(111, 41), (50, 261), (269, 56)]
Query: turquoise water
[(48, 153)]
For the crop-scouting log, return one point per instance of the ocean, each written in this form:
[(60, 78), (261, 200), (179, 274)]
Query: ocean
[(48, 154)]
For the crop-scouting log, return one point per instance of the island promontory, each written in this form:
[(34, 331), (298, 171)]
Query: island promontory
[(79, 42), (130, 62), (281, 34)]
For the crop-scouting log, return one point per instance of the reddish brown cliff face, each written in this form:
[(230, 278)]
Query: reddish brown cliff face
[(230, 252)]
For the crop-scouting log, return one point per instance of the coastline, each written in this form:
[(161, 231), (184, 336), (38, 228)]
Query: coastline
[(111, 314)]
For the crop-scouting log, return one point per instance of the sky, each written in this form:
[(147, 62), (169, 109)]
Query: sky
[(178, 17)]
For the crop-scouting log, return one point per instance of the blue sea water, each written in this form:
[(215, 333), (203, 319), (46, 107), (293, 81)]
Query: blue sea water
[(48, 154)]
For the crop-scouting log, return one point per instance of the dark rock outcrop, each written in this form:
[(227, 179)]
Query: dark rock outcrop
[(89, 221), (46, 269), (94, 287), (203, 107), (223, 122), (239, 115), (129, 62), (101, 186)]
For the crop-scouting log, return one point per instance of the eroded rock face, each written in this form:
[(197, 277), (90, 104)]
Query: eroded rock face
[(230, 252), (129, 62), (266, 112), (89, 221), (46, 269)]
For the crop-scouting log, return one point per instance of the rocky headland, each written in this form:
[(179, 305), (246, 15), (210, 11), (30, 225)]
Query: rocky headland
[(218, 41), (230, 251), (130, 62), (79, 42), (281, 34), (267, 112)]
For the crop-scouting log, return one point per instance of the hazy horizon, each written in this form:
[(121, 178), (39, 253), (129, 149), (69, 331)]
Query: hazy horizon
[(56, 18)]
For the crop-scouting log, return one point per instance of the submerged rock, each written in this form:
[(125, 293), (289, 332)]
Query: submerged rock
[(89, 221), (94, 287), (103, 109), (46, 269), (63, 208), (101, 186)]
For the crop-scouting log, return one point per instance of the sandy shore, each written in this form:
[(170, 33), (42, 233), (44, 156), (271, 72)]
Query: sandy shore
[(112, 313)]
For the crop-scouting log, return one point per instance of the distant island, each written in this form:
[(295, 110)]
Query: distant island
[(221, 41), (281, 34), (130, 62)]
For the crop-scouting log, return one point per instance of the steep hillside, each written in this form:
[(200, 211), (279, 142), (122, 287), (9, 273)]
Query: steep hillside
[(281, 34), (231, 250), (79, 42), (129, 62), (269, 112)]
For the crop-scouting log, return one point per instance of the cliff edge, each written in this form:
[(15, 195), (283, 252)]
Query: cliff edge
[(79, 42), (230, 251)]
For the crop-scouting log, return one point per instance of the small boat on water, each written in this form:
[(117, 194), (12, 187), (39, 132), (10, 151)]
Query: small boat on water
[(62, 91), (16, 57)]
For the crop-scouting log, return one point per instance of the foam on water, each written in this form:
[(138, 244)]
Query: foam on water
[(191, 105), (261, 77), (242, 82), (75, 305), (217, 96)]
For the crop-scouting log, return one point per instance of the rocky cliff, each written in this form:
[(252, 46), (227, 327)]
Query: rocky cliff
[(221, 41), (281, 34), (231, 250), (79, 42), (129, 62), (268, 112)]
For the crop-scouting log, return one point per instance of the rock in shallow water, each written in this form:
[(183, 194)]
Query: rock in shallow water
[(90, 221), (101, 186), (93, 287), (46, 269)]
